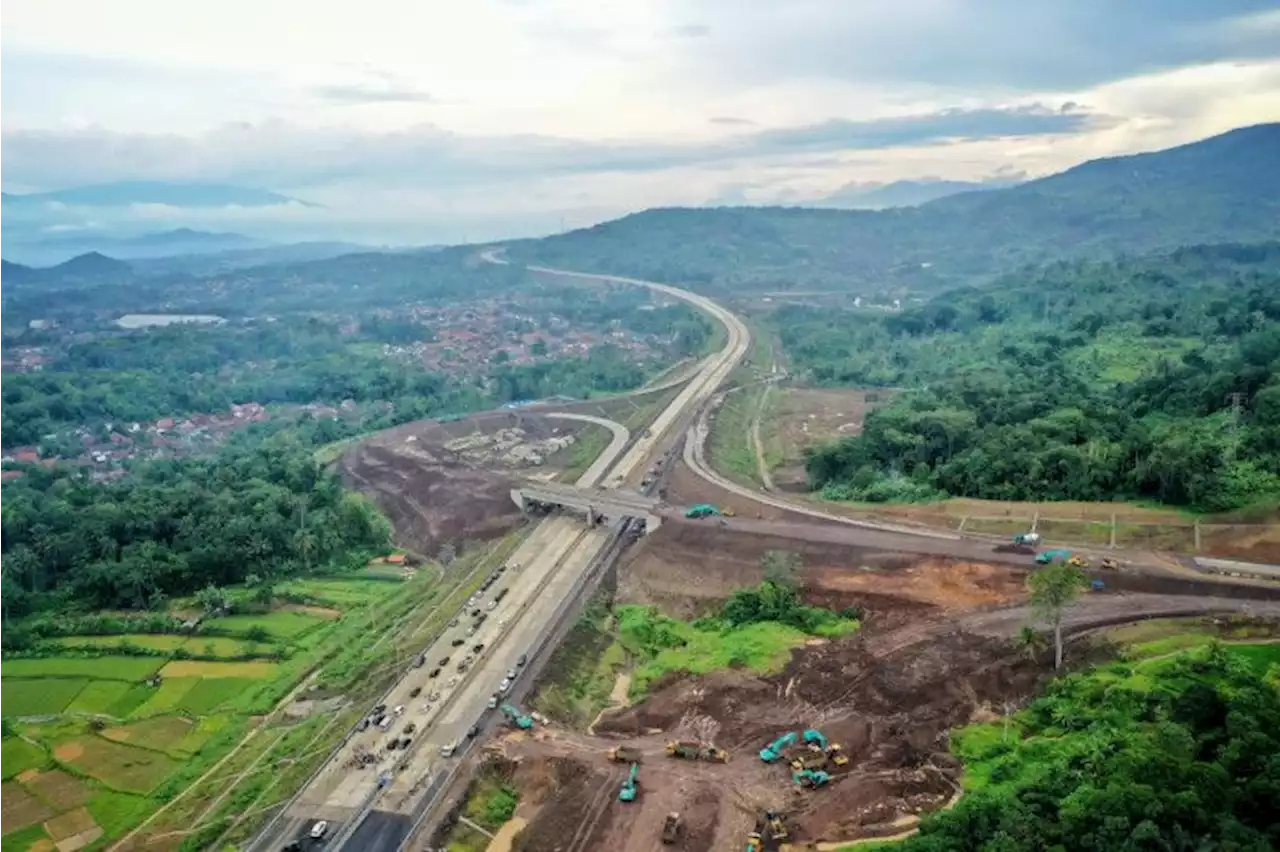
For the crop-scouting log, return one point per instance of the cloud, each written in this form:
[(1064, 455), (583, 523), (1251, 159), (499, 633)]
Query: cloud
[(731, 121), (291, 156), (689, 31)]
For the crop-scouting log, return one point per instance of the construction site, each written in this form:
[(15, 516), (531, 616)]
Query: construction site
[(847, 738)]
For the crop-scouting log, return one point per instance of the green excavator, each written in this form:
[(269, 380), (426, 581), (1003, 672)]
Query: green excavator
[(810, 777), (517, 718), (774, 750), (631, 786)]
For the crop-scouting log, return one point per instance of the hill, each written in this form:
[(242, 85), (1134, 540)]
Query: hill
[(1222, 189), (903, 193), (85, 269)]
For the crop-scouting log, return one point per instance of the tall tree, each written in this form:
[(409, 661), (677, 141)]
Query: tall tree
[(1053, 589)]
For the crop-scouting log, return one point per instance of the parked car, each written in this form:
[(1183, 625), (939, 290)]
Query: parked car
[(384, 723), (318, 830), (418, 663), (473, 731), (399, 709), (477, 648), (448, 749), (415, 692), (434, 672), (493, 702), (410, 728), (457, 642), (444, 661), (364, 724), (523, 658)]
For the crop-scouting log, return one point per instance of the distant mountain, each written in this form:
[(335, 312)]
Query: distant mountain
[(170, 193), (1222, 190), (90, 268), (212, 263), (181, 241), (904, 193)]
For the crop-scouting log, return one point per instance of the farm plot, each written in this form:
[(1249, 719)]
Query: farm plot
[(95, 668), (19, 809), (100, 696), (283, 625), (227, 648), (17, 756), (167, 697), (38, 696), (203, 669), (209, 693), (163, 733), (151, 641), (345, 594), (115, 764), (57, 789)]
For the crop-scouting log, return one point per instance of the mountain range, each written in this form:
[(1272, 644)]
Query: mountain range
[(1222, 189), (905, 193)]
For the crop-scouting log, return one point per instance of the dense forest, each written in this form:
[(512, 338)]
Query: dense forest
[(1222, 189), (1155, 378), (1184, 755), (174, 527)]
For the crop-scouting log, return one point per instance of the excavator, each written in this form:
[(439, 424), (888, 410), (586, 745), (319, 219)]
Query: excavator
[(818, 742), (631, 786), (517, 718), (775, 826), (624, 754), (774, 750), (810, 777)]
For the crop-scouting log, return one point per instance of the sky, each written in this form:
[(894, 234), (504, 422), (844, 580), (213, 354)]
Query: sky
[(423, 121)]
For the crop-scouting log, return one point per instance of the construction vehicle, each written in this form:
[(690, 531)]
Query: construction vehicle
[(624, 754), (687, 749), (729, 513), (715, 755), (517, 718), (818, 742), (702, 510), (671, 828), (815, 759), (1078, 562), (1109, 564), (630, 786), (1031, 538), (810, 777), (1048, 557), (774, 750), (754, 842), (1097, 586), (776, 828)]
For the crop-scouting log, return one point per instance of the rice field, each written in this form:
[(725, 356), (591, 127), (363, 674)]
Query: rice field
[(163, 733), (39, 696), (96, 668), (204, 668), (116, 765), (17, 756), (282, 625)]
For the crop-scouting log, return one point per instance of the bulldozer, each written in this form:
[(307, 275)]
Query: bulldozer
[(671, 828), (631, 786), (624, 754), (774, 750), (713, 754), (729, 512), (1078, 562)]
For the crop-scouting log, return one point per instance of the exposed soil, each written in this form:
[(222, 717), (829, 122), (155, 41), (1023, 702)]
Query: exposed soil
[(449, 482), (803, 417)]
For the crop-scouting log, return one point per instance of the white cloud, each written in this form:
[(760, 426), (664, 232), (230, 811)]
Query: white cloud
[(491, 114)]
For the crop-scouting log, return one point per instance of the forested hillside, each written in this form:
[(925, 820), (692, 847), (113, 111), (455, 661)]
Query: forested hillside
[(1153, 378), (1223, 189)]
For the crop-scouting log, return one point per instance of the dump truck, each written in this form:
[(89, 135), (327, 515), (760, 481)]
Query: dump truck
[(671, 828), (688, 749), (630, 786), (774, 750), (1048, 557), (624, 754), (517, 718), (810, 777), (702, 510)]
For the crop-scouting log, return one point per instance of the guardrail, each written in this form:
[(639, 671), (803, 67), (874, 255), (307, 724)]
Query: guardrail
[(608, 553)]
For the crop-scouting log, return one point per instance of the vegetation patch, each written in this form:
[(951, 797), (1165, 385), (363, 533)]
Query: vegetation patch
[(1122, 752), (490, 803), (70, 824), (123, 767), (206, 669), (38, 696), (201, 733), (138, 695), (17, 756), (96, 668), (33, 837), (165, 698), (19, 809), (150, 641), (578, 679), (116, 811), (226, 647)]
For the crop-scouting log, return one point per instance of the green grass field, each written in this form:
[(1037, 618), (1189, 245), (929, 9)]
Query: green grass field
[(345, 594), (167, 696), (21, 839), (96, 668), (17, 755), (163, 733), (100, 696), (208, 693), (282, 625), (38, 696), (152, 641)]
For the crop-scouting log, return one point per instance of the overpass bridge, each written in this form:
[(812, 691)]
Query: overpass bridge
[(596, 504)]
